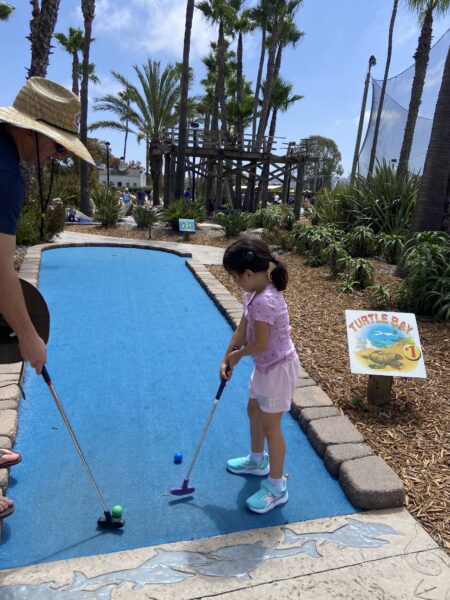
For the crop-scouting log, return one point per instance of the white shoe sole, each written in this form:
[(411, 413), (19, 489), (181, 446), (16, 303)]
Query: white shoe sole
[(259, 472), (278, 502)]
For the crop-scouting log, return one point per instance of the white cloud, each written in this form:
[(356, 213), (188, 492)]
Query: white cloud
[(355, 120)]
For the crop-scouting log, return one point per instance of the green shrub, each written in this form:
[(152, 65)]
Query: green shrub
[(107, 205), (145, 218), (381, 201), (233, 221), (67, 187), (29, 224), (380, 297), (390, 247), (333, 255), (273, 216), (183, 209), (279, 237), (346, 283), (313, 239), (362, 272), (426, 287), (327, 208), (362, 241)]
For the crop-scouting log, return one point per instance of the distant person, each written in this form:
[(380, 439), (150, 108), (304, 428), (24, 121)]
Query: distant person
[(264, 334), (187, 194), (72, 214), (41, 125), (276, 199), (140, 197), (126, 196)]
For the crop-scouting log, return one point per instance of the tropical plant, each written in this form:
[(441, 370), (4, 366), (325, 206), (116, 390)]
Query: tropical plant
[(29, 224), (381, 202), (362, 241), (426, 287), (313, 239), (362, 272), (145, 218), (380, 297), (42, 25), (6, 10), (183, 107), (390, 247), (432, 206), (183, 209), (346, 283), (233, 221), (333, 255), (73, 43), (426, 9), (88, 10), (273, 216), (107, 205)]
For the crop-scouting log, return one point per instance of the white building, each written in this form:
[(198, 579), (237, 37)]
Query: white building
[(123, 177)]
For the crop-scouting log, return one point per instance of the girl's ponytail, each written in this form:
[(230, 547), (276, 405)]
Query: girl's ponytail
[(279, 275)]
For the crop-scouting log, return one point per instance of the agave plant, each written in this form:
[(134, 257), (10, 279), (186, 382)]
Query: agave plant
[(380, 297), (333, 255), (273, 216), (233, 221), (362, 241), (390, 247)]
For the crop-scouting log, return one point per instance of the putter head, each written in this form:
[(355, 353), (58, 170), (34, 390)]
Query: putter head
[(183, 490), (110, 522)]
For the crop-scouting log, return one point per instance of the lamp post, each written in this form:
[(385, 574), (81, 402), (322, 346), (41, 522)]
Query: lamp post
[(195, 125), (107, 144)]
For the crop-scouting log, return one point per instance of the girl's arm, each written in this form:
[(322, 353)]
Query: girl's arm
[(237, 341), (262, 330)]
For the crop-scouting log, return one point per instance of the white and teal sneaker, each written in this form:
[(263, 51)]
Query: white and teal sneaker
[(267, 498), (247, 466)]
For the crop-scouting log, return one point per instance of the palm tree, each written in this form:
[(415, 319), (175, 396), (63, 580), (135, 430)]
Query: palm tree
[(260, 17), (432, 206), (42, 26), (185, 78), (373, 151), (73, 43), (281, 99), (153, 108), (426, 9), (6, 10), (88, 10), (118, 105)]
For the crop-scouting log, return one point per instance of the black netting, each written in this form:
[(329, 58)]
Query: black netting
[(395, 112)]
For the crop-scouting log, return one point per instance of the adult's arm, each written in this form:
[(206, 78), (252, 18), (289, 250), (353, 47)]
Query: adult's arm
[(13, 307)]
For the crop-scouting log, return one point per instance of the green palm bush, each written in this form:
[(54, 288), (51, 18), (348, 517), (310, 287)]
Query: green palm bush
[(145, 218), (107, 205), (273, 216), (426, 287), (390, 247), (333, 255), (183, 209), (346, 283), (380, 297), (327, 208), (233, 221), (381, 201), (362, 241)]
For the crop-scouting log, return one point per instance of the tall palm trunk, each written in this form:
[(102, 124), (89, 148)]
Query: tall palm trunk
[(266, 169), (373, 152), (262, 57), (155, 171), (421, 59), (75, 73), (270, 78), (182, 130), (42, 26), (431, 210), (88, 9), (239, 123)]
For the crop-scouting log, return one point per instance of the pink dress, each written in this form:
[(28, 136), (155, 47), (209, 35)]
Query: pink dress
[(276, 369)]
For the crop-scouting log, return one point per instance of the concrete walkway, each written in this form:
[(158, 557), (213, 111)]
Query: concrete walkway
[(381, 554)]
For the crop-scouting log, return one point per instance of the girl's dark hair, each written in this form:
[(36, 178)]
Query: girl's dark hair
[(255, 255)]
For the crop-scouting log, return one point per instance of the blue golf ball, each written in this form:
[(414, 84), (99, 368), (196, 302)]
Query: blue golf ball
[(177, 458)]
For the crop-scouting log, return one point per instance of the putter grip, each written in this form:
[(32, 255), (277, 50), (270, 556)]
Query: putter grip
[(46, 376)]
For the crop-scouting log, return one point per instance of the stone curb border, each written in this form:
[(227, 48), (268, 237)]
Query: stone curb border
[(367, 480)]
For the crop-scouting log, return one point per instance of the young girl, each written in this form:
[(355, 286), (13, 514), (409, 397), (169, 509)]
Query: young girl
[(264, 333)]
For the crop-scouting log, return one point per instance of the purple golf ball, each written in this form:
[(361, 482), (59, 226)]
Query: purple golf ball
[(177, 458)]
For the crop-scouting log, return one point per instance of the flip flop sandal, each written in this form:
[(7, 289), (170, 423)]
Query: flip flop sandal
[(5, 513), (9, 463)]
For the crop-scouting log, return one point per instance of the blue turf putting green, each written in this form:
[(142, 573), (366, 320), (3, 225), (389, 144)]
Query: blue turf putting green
[(134, 354)]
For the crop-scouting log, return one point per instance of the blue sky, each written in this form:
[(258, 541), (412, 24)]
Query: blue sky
[(328, 66)]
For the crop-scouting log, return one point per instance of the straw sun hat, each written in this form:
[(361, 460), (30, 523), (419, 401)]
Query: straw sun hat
[(50, 109)]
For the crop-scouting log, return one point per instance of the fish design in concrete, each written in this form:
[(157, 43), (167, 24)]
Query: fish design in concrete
[(355, 534), (237, 561)]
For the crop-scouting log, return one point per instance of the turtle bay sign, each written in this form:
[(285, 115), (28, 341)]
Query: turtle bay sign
[(384, 343)]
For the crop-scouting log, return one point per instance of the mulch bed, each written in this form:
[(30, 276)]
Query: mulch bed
[(410, 434)]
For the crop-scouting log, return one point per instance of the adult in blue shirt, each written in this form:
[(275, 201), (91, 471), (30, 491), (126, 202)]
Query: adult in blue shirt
[(41, 124)]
